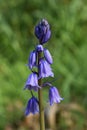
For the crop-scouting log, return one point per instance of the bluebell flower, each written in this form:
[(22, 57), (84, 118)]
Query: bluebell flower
[(48, 56), (44, 69), (39, 48), (32, 106), (32, 82), (32, 59), (42, 31), (54, 96)]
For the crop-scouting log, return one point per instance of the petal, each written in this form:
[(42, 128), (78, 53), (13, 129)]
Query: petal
[(54, 96), (32, 82), (32, 59), (32, 106), (46, 37), (48, 56), (39, 48), (45, 69)]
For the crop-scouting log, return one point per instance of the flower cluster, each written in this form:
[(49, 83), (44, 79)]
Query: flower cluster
[(43, 69)]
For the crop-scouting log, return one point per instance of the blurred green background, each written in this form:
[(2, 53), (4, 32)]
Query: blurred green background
[(68, 46)]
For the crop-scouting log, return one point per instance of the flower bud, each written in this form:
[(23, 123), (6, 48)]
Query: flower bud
[(39, 48), (42, 31), (32, 59), (48, 56)]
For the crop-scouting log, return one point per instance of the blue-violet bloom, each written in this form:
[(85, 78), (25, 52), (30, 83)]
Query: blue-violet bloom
[(48, 56), (39, 48), (32, 59), (54, 96), (32, 106), (32, 82), (42, 31), (45, 69)]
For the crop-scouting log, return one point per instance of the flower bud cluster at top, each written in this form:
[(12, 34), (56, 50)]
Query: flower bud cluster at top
[(43, 65)]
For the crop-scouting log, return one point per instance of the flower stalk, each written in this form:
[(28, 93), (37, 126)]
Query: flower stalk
[(40, 97)]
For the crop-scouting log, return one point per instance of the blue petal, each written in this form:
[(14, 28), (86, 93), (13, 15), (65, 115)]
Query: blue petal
[(54, 96), (48, 56), (45, 69), (32, 106), (32, 59), (39, 48), (32, 82)]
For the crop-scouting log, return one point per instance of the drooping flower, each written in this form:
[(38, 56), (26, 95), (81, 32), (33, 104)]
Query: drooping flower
[(39, 48), (32, 106), (54, 96), (42, 31), (44, 69), (32, 82), (48, 56), (32, 59)]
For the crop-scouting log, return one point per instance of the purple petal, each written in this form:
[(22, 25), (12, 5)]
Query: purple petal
[(32, 82), (39, 48), (32, 59), (45, 69), (54, 96), (32, 106), (46, 37), (48, 56)]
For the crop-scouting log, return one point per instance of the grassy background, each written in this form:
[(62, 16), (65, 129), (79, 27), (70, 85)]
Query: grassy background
[(68, 46)]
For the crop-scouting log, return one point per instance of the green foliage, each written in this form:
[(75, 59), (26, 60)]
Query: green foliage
[(68, 45)]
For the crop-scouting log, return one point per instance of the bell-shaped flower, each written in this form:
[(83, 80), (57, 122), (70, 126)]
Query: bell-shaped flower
[(44, 69), (32, 106), (42, 31), (32, 59), (54, 96), (32, 82), (48, 56)]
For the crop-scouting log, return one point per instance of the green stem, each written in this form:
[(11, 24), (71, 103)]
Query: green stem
[(40, 97)]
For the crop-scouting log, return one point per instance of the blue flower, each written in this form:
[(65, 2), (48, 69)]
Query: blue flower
[(32, 106), (42, 31), (48, 56), (39, 48), (54, 96), (44, 69), (32, 59), (32, 82)]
